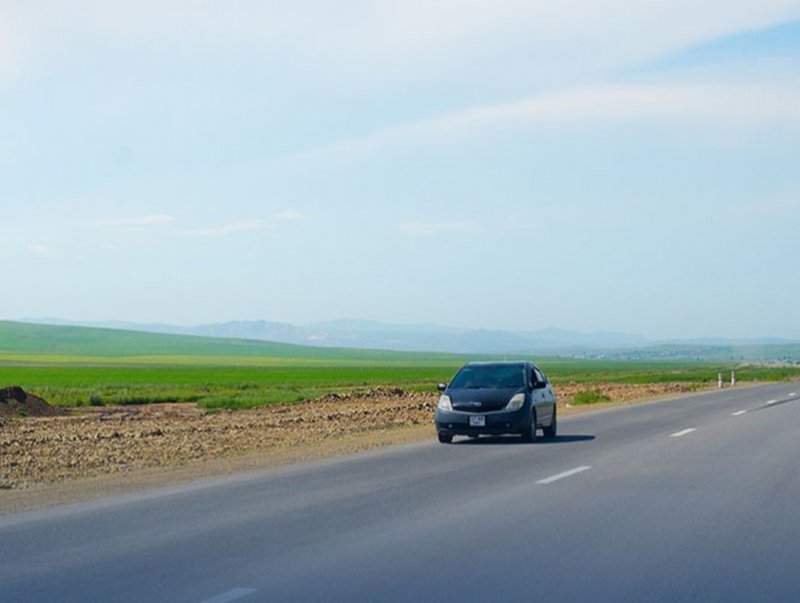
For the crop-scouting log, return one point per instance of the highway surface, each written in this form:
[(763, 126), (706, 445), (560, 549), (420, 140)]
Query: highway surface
[(694, 499)]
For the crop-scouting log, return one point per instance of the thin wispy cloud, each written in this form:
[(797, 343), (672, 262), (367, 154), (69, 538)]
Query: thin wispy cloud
[(136, 222), (6, 51), (40, 249), (783, 206), (232, 228), (383, 34), (290, 214), (738, 106), (427, 229)]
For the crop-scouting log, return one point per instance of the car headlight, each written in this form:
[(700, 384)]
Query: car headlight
[(516, 402), (445, 403)]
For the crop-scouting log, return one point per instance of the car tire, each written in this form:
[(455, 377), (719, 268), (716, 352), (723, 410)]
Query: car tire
[(552, 430), (445, 439), (529, 435)]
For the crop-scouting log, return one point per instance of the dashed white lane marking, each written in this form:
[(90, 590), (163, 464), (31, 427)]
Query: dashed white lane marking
[(740, 412), (555, 478), (678, 434), (771, 402), (231, 595), (793, 394)]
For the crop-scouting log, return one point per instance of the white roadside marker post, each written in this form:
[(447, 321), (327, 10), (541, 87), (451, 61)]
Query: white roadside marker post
[(733, 378), (719, 380)]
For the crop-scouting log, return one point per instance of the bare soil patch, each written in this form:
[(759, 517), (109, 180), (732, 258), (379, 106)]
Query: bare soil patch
[(623, 392), (108, 440)]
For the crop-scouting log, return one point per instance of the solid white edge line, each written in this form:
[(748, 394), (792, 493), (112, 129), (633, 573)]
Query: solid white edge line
[(231, 595), (738, 413), (558, 476), (678, 434)]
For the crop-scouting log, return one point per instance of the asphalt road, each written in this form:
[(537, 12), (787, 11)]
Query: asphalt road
[(686, 500)]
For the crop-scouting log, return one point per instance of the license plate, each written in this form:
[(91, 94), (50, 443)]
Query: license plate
[(477, 421)]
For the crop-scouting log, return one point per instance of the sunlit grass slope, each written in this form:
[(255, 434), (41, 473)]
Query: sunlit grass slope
[(31, 342)]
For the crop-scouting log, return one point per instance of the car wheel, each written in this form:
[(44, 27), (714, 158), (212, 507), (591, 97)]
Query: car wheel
[(529, 435), (445, 439), (550, 432)]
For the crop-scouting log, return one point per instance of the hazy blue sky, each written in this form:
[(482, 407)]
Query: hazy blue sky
[(590, 165)]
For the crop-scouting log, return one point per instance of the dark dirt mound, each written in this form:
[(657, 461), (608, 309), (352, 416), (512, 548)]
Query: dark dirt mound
[(16, 402)]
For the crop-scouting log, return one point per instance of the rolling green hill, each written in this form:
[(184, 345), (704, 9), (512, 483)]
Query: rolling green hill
[(26, 341), (76, 366)]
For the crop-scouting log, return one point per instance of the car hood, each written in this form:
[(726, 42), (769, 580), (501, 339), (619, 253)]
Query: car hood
[(481, 400)]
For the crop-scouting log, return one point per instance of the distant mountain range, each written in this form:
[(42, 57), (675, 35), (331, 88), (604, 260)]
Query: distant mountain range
[(361, 334)]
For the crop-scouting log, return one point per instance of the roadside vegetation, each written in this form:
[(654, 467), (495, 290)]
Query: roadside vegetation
[(590, 396), (211, 386)]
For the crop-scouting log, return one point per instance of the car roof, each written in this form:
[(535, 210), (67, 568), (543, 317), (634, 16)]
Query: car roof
[(496, 362)]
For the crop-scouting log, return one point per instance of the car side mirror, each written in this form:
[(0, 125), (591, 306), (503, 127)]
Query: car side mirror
[(441, 386), (539, 384)]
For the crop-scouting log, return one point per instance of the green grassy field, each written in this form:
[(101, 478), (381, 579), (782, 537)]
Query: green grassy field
[(76, 366)]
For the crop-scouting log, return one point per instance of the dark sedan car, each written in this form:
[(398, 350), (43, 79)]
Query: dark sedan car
[(495, 398)]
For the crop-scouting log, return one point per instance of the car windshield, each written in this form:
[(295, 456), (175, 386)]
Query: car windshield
[(476, 376)]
